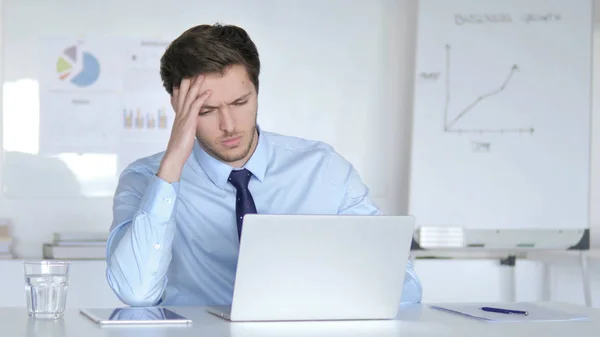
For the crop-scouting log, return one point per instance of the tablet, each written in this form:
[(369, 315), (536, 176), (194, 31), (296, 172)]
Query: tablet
[(134, 315)]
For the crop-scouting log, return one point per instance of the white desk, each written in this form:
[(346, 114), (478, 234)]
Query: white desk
[(417, 320)]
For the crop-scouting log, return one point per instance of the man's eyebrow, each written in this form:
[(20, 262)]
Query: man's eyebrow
[(241, 98), (210, 107)]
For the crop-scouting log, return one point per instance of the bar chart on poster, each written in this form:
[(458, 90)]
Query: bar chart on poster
[(502, 108)]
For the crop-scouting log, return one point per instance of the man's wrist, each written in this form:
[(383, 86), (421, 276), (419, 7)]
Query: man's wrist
[(169, 171)]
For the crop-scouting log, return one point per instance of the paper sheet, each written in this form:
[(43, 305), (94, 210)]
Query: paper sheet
[(536, 313)]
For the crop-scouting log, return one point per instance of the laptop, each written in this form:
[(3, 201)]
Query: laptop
[(319, 267)]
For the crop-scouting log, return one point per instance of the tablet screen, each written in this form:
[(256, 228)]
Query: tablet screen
[(134, 315)]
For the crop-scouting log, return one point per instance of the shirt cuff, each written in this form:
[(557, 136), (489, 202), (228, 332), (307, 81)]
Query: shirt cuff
[(159, 200)]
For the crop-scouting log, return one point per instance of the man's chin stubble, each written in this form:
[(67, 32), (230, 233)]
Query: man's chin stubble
[(225, 158), (230, 159)]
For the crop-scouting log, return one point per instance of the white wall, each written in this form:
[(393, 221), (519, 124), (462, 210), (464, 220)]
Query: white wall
[(36, 219), (376, 139), (395, 119), (595, 125)]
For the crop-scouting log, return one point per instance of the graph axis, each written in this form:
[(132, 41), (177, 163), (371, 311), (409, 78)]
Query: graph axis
[(449, 125)]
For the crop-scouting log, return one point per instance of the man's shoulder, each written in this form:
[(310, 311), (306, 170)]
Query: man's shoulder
[(279, 142), (147, 165), (305, 151)]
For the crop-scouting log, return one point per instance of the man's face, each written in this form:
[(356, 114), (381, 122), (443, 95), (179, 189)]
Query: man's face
[(226, 126)]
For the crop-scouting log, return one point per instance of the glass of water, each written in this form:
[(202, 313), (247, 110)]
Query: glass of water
[(46, 284)]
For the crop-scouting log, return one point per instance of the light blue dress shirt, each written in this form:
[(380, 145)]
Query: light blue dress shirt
[(177, 244)]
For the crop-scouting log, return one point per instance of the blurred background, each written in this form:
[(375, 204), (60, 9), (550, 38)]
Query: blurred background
[(475, 116)]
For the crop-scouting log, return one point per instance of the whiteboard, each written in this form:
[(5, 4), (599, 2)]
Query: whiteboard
[(307, 83), (501, 124)]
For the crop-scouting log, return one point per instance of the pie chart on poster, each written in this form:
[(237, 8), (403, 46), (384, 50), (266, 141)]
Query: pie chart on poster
[(80, 68)]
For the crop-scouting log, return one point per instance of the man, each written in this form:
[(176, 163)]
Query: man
[(177, 214)]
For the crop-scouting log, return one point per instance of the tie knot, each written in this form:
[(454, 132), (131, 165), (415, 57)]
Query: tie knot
[(240, 179)]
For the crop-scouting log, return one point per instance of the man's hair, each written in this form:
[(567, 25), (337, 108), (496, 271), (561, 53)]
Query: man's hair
[(206, 49)]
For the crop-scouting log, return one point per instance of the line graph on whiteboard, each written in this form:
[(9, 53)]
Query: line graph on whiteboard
[(452, 120)]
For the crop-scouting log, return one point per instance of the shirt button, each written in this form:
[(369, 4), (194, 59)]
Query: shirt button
[(157, 246), (168, 200)]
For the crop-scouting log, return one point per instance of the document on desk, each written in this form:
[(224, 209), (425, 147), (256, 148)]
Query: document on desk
[(510, 312)]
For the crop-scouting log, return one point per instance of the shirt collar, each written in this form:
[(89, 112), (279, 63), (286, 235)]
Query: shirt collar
[(219, 172)]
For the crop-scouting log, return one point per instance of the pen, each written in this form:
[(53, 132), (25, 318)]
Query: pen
[(505, 311)]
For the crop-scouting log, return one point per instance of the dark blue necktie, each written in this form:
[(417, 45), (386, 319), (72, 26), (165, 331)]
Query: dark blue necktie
[(244, 203)]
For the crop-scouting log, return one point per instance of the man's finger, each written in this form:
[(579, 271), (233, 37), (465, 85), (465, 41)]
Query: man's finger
[(183, 89), (195, 107), (175, 97), (192, 93)]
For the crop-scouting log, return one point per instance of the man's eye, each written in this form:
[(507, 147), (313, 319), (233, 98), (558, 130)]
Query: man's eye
[(240, 103)]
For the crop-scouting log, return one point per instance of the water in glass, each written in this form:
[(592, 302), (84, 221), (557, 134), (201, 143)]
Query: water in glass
[(46, 287), (46, 295)]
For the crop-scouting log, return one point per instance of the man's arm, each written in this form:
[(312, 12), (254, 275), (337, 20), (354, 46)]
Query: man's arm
[(356, 200), (139, 245)]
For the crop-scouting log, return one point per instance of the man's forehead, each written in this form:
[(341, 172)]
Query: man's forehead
[(226, 87), (230, 73)]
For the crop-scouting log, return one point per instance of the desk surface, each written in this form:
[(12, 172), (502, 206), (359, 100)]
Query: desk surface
[(416, 320)]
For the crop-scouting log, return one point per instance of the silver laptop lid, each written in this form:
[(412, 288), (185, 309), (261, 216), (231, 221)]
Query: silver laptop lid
[(321, 267)]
